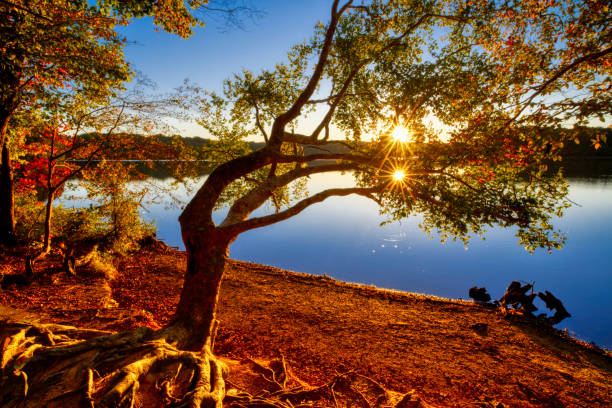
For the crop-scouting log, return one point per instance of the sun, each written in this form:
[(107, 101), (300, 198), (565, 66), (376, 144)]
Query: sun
[(400, 134), (398, 175)]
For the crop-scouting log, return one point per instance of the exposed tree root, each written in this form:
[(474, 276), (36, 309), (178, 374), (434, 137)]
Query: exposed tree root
[(345, 390), (62, 366)]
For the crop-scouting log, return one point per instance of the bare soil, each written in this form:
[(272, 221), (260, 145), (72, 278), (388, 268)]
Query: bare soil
[(452, 353)]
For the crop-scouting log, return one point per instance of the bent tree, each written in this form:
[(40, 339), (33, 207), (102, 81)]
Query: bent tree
[(445, 109), (449, 110)]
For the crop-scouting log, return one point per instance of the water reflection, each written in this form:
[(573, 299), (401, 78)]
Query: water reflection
[(342, 238)]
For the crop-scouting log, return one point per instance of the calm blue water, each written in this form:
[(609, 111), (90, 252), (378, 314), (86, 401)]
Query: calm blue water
[(342, 238)]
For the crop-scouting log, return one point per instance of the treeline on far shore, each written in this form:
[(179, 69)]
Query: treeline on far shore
[(583, 149), (580, 157)]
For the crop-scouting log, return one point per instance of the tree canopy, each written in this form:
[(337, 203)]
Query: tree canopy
[(477, 87), (57, 52), (180, 17)]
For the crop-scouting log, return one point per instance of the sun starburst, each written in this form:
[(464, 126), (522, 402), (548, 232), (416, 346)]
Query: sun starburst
[(398, 175), (400, 134)]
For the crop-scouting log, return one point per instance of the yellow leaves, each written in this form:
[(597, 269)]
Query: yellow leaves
[(598, 140)]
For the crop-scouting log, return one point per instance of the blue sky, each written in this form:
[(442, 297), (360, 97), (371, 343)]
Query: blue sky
[(212, 54)]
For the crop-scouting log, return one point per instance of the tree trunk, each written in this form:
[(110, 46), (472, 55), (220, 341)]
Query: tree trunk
[(5, 115), (7, 210), (48, 214), (195, 325)]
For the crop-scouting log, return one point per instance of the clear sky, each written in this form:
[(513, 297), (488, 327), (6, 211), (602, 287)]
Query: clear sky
[(214, 52)]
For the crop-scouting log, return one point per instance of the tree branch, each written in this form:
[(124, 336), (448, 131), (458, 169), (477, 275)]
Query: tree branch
[(325, 122), (249, 202), (460, 180), (306, 140), (337, 99), (281, 121), (258, 122), (556, 76), (322, 156), (26, 10), (77, 170), (198, 212), (326, 100), (297, 208)]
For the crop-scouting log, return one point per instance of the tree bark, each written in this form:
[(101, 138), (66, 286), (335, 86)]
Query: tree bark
[(5, 115), (48, 214), (194, 325), (7, 205)]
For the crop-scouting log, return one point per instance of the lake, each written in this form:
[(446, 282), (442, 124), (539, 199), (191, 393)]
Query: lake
[(342, 239)]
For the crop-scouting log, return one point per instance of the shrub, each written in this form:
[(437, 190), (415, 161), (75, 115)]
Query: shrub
[(114, 222)]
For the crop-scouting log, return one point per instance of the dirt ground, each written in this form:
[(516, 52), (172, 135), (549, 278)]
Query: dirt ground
[(451, 353)]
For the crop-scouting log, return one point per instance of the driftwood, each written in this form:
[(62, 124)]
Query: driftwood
[(479, 294), (516, 296), (553, 303)]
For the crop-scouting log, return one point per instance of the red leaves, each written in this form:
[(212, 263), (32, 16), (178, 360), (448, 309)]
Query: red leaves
[(42, 167)]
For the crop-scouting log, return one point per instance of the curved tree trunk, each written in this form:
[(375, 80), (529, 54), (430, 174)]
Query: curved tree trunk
[(195, 325), (7, 210)]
